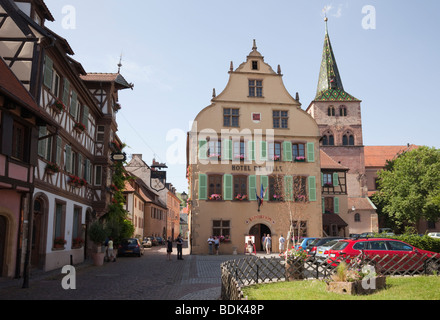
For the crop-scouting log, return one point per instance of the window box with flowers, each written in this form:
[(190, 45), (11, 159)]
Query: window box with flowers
[(59, 243), (79, 127), (300, 159), (215, 156), (241, 197), (215, 197), (276, 197), (239, 157), (52, 168), (76, 182), (58, 106), (300, 198), (77, 243), (276, 158)]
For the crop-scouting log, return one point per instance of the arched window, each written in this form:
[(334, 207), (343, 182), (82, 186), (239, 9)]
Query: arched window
[(328, 139), (331, 111), (357, 217), (343, 111), (348, 139)]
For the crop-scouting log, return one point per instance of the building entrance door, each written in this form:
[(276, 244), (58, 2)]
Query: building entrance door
[(259, 230), (2, 242)]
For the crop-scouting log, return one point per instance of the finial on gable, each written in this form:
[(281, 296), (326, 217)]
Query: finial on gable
[(254, 45)]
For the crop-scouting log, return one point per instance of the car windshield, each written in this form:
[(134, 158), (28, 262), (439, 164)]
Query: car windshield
[(340, 245), (331, 243)]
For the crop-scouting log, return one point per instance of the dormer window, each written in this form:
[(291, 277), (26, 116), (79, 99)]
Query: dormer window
[(254, 65)]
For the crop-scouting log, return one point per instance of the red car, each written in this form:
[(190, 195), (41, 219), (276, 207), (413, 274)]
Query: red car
[(385, 254)]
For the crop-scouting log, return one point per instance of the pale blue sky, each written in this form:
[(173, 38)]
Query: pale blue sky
[(177, 51)]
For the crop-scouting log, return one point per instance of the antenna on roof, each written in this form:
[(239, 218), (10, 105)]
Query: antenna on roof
[(120, 63)]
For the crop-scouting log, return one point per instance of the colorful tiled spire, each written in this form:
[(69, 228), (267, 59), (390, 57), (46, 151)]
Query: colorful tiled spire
[(330, 86)]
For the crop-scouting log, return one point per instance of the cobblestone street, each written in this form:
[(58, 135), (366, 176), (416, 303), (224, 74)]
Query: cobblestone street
[(151, 277)]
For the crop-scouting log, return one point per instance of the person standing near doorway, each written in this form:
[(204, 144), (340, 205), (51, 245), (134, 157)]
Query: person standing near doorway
[(281, 241), (268, 244)]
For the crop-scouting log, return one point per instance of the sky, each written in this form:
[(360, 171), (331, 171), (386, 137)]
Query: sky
[(176, 51)]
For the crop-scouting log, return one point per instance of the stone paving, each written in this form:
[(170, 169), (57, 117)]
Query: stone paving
[(151, 277)]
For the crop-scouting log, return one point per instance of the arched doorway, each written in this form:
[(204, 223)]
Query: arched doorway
[(259, 230), (3, 229)]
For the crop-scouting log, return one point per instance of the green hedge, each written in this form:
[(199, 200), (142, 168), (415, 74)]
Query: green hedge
[(421, 242)]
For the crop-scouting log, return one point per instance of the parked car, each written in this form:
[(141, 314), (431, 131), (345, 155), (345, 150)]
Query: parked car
[(303, 243), (130, 246), (147, 243), (323, 250), (160, 240), (384, 253), (311, 248), (435, 235)]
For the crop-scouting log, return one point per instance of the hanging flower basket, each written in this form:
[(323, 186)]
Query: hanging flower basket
[(52, 168), (76, 182), (79, 127), (58, 106)]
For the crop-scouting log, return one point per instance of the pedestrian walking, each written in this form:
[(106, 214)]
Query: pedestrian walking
[(179, 247), (281, 241), (268, 243), (110, 250), (216, 244), (169, 248), (210, 244)]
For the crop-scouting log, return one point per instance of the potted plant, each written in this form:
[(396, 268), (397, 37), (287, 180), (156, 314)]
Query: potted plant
[(59, 243), (215, 197), (77, 243), (98, 234), (294, 263)]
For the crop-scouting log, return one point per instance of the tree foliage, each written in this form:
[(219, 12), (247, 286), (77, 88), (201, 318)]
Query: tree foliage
[(409, 188)]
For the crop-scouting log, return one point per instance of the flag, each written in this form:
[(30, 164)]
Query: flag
[(260, 198)]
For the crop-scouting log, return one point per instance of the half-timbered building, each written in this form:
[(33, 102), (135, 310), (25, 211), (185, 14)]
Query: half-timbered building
[(73, 167)]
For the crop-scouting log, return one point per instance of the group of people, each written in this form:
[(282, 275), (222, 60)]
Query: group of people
[(179, 244), (266, 240), (213, 243)]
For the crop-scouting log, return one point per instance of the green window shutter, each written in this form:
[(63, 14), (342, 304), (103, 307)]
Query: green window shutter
[(336, 204), (68, 163), (58, 150), (288, 188), (48, 72), (322, 179), (228, 187), (335, 179), (85, 117), (66, 90), (252, 183), (80, 166), (312, 188), (323, 205), (203, 150), (42, 144), (251, 149), (310, 152), (287, 151), (265, 182), (227, 150), (74, 104), (203, 186), (263, 150)]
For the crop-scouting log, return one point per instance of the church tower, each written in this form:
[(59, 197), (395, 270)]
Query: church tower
[(338, 115)]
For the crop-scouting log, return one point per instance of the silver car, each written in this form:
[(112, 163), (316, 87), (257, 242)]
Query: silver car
[(322, 251)]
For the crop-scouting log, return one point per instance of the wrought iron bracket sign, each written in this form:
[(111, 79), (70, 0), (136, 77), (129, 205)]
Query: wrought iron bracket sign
[(118, 157)]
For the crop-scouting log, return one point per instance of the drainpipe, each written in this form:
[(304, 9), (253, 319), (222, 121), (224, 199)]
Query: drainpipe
[(26, 270)]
